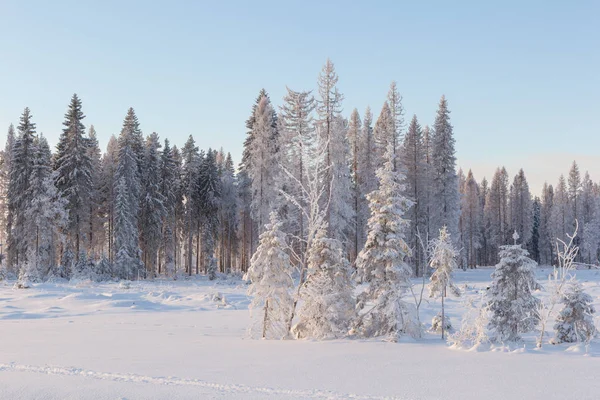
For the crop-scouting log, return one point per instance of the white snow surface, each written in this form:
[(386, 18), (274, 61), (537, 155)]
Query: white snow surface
[(188, 340)]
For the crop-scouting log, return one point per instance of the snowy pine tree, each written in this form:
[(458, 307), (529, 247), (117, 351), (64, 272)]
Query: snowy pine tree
[(73, 179), (327, 294), (575, 322), (443, 262), (382, 261), (23, 158), (168, 187), (152, 207), (127, 263), (445, 197), (512, 304), (271, 283)]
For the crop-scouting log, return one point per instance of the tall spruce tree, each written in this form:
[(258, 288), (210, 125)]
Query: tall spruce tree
[(128, 264), (73, 178), (413, 161), (152, 205), (382, 262), (23, 156), (445, 196)]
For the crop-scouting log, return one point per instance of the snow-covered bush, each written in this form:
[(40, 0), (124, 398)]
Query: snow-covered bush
[(473, 327), (328, 304), (103, 270), (28, 274), (575, 322), (436, 323), (512, 304), (271, 283)]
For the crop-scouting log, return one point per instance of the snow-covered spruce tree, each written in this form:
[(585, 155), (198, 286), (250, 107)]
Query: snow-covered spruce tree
[(73, 178), (189, 188), (383, 134), (23, 155), (127, 263), (5, 216), (45, 212), (561, 211), (169, 182), (328, 303), (546, 243), (95, 230), (354, 135), (263, 169), (367, 181), (521, 207), (270, 283), (382, 261), (445, 197), (107, 193), (228, 210), (575, 322), (413, 160), (512, 304), (209, 195), (591, 240), (152, 205), (471, 219), (394, 100), (443, 262), (496, 212)]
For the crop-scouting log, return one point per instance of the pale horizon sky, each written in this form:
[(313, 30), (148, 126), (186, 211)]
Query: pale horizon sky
[(522, 80)]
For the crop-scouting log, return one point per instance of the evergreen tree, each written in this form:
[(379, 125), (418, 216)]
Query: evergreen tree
[(22, 162), (271, 282), (263, 170), (521, 207), (546, 229), (382, 262), (45, 211), (533, 245), (471, 219), (96, 234), (561, 211), (445, 197), (496, 212), (209, 196), (328, 307), (152, 205), (107, 193), (413, 161), (168, 187), (394, 100), (512, 303), (73, 179), (5, 216), (354, 140), (443, 262), (191, 166), (575, 322), (228, 210), (127, 202), (384, 134)]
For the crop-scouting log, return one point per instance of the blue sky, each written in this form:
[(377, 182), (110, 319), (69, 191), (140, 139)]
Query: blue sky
[(522, 77)]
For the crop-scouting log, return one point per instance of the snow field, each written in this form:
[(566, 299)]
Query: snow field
[(188, 340)]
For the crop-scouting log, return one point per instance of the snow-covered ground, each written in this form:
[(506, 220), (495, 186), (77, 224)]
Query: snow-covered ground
[(188, 340)]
